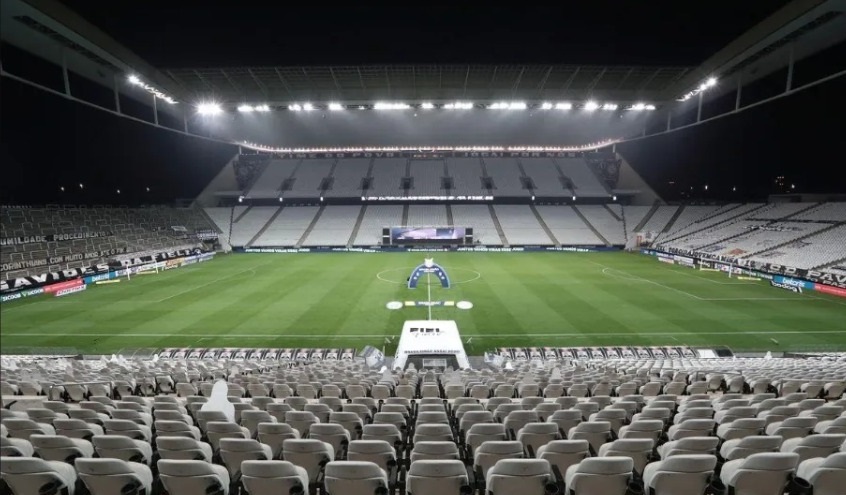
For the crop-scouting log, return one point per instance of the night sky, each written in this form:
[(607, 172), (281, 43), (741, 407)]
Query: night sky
[(218, 34), (47, 142)]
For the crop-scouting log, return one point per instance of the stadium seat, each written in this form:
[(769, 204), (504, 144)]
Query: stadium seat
[(309, 454), (605, 475), (76, 428), (827, 475), (60, 448), (534, 435), (525, 476), (273, 477), (595, 432), (274, 434), (355, 478), (445, 477), (638, 449), (679, 475), (564, 453), (123, 448), (434, 450), (24, 428), (489, 453), (179, 476), (759, 474), (183, 448), (31, 475), (16, 447), (813, 445), (108, 476), (689, 446), (741, 448), (378, 452)]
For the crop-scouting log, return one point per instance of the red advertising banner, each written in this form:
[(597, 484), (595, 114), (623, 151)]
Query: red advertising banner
[(63, 285), (827, 289)]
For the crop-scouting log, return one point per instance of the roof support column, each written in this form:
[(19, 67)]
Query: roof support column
[(739, 91), (155, 109), (699, 107), (669, 118), (790, 61), (65, 76), (117, 93)]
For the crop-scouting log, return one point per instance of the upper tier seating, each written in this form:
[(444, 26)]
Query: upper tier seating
[(133, 230)]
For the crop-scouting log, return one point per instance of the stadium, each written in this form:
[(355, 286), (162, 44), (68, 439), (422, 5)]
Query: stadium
[(556, 256)]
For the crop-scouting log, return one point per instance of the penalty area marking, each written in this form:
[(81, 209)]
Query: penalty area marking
[(474, 275)]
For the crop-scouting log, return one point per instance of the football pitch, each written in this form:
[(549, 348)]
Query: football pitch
[(339, 300)]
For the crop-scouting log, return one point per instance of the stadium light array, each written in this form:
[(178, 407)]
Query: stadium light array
[(295, 107), (427, 105), (381, 105), (546, 106), (459, 105), (308, 107), (563, 106), (209, 108), (136, 81), (591, 106), (638, 107), (335, 107), (251, 108), (704, 86), (610, 106)]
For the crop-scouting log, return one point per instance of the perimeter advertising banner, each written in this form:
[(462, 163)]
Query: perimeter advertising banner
[(48, 279)]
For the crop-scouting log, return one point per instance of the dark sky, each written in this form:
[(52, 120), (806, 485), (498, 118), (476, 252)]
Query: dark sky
[(190, 33)]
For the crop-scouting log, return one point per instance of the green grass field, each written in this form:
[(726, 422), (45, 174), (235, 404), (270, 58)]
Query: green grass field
[(338, 300)]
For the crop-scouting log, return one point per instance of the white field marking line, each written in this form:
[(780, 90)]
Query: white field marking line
[(253, 269), (708, 279), (641, 279), (381, 335)]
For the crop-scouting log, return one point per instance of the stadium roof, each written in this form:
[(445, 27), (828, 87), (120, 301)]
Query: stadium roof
[(50, 30), (354, 84)]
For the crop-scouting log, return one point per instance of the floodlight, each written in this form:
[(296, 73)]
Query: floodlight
[(148, 189), (308, 107), (240, 199), (245, 108), (81, 186), (427, 106), (639, 106), (209, 109), (609, 106), (706, 187), (321, 199), (459, 105), (533, 198), (613, 198), (546, 106), (591, 106), (711, 82), (62, 188), (280, 199), (574, 198), (262, 108), (563, 106), (335, 107), (133, 79), (118, 191), (381, 105), (517, 105), (295, 107)]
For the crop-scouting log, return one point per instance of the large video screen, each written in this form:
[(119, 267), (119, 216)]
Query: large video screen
[(406, 235)]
